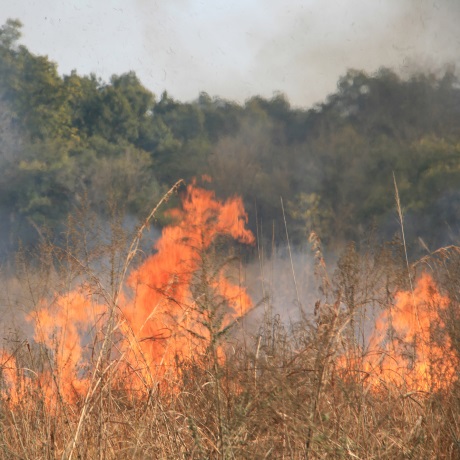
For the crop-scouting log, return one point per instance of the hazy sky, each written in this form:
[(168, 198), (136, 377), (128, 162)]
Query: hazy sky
[(240, 48)]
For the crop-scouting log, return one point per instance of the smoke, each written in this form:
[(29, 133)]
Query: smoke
[(11, 143), (297, 47), (311, 47), (238, 49), (282, 285)]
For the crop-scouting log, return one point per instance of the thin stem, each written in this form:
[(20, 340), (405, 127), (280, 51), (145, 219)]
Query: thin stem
[(290, 257), (401, 221)]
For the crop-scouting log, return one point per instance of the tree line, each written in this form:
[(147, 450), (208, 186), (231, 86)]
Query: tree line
[(71, 141)]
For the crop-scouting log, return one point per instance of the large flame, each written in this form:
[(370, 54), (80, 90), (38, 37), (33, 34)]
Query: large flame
[(410, 348), (172, 305), (167, 318)]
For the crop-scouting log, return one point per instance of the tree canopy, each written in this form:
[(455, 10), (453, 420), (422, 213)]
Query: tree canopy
[(64, 139)]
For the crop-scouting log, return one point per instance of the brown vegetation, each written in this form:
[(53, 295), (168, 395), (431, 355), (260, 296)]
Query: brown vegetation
[(321, 386)]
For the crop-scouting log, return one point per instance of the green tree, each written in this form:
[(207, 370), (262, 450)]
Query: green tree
[(32, 87)]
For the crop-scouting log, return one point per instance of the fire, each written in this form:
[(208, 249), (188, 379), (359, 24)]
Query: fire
[(410, 347), (177, 289), (63, 328), (14, 385), (170, 308)]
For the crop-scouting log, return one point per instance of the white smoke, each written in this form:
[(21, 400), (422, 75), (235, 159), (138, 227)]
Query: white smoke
[(238, 49)]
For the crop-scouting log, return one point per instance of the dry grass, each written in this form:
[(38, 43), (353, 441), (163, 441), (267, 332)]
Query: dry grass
[(282, 392)]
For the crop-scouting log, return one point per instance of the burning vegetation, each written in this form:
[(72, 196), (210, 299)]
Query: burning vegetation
[(174, 305), (112, 349), (155, 361), (409, 348)]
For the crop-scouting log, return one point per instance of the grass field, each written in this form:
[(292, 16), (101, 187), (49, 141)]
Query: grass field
[(154, 359)]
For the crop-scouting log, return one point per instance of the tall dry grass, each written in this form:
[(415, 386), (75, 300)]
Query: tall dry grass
[(297, 390)]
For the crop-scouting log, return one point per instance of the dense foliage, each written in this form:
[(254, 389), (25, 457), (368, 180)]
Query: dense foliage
[(78, 141)]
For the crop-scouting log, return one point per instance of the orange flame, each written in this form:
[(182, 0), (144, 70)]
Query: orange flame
[(410, 348), (164, 307), (169, 307), (63, 327), (13, 383)]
